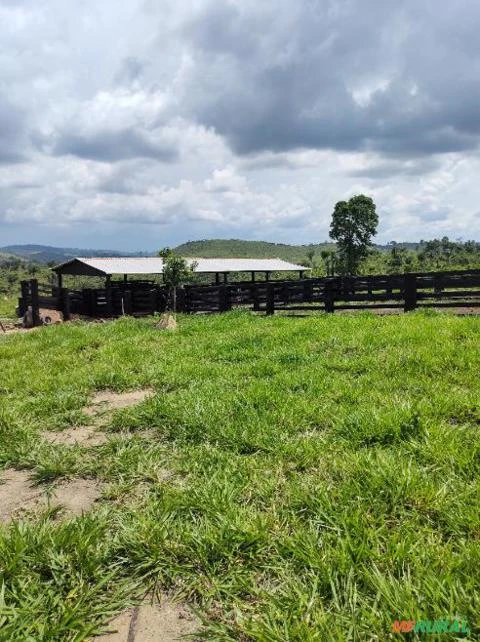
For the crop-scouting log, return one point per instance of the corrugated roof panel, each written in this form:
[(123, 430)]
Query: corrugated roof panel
[(154, 265), (245, 265), (125, 264)]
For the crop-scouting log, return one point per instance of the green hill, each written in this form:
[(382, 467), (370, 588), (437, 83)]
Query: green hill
[(236, 248), (213, 248)]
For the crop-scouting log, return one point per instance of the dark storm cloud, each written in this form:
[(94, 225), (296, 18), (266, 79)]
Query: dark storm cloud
[(222, 28), (12, 129), (399, 78), (285, 84), (388, 169), (112, 146)]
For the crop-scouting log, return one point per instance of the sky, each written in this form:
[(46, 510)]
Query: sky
[(138, 124)]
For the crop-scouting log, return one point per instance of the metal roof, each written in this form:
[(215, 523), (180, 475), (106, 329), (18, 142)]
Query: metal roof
[(154, 265)]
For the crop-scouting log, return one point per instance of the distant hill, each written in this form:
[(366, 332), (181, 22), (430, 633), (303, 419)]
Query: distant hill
[(47, 253), (208, 248), (6, 255), (205, 249), (226, 248)]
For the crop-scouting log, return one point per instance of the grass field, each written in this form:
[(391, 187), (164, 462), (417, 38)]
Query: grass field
[(294, 479)]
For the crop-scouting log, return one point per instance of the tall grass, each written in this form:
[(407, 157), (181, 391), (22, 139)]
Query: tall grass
[(294, 479)]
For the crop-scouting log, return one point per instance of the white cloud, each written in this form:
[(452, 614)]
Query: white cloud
[(236, 118)]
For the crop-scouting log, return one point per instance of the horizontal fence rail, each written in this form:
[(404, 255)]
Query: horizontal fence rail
[(397, 291), (406, 292)]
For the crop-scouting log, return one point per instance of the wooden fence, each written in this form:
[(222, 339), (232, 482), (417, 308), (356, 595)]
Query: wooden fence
[(406, 292)]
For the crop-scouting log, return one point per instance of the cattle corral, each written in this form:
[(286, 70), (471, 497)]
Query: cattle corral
[(455, 289)]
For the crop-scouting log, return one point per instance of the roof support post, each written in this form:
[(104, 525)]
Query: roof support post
[(253, 276), (267, 276), (217, 278), (225, 277), (108, 294)]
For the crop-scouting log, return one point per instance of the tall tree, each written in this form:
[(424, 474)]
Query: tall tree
[(354, 223)]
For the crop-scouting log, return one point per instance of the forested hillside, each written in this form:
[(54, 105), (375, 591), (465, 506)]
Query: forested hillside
[(438, 254), (226, 248)]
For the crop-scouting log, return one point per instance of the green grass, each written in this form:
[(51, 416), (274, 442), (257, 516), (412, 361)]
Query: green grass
[(7, 307), (324, 475)]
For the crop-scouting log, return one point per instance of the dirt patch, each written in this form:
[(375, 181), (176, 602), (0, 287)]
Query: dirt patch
[(108, 401), (76, 496), (151, 622), (49, 317), (102, 405), (19, 494), (13, 328), (82, 436), (16, 493), (119, 629)]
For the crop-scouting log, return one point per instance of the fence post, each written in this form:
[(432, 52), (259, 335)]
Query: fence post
[(270, 298), (162, 299), (180, 299), (85, 302), (89, 302), (224, 298), (307, 291), (255, 298), (127, 302), (221, 298), (64, 303), (410, 292), (23, 301), (437, 284), (328, 296), (186, 299), (35, 304), (108, 299), (228, 295)]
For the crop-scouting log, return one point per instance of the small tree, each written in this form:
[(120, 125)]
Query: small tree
[(354, 223), (310, 254), (329, 262), (176, 271)]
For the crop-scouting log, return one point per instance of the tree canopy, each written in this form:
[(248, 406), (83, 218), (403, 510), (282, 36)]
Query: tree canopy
[(176, 271), (354, 223)]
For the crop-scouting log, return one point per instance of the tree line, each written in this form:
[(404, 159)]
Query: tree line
[(353, 226)]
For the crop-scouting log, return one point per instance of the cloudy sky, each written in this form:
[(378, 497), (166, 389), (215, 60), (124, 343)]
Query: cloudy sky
[(136, 124)]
